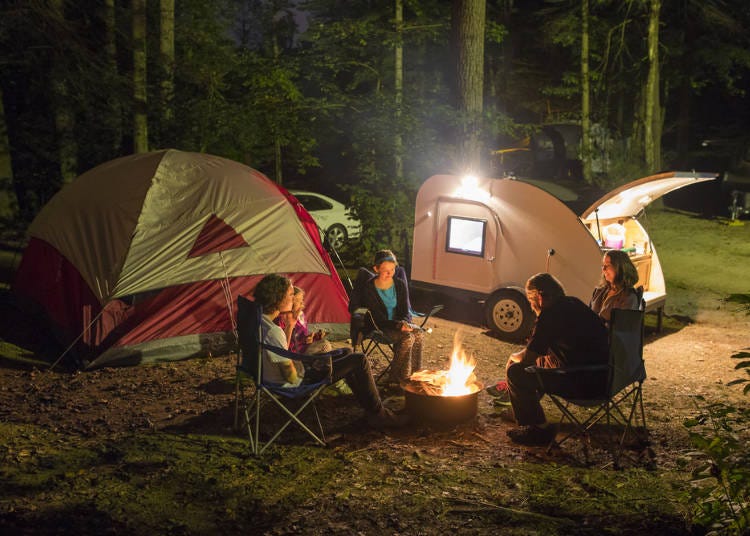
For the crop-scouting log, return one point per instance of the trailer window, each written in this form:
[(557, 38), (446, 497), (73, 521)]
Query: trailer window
[(465, 236)]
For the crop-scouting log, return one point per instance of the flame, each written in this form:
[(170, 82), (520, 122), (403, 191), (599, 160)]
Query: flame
[(460, 376), (458, 380)]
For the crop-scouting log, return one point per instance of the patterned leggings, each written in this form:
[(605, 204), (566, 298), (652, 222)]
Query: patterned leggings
[(407, 354)]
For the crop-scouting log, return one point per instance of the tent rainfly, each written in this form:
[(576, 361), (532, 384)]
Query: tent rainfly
[(141, 259)]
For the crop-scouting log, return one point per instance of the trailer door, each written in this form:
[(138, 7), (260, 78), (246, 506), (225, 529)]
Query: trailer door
[(466, 245)]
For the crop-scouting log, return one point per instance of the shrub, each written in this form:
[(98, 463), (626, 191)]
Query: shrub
[(721, 485)]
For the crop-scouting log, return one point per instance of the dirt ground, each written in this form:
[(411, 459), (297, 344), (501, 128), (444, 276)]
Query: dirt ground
[(690, 356), (153, 449), (684, 360), (195, 474)]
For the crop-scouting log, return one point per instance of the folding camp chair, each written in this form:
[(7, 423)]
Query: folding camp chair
[(251, 365), (620, 404), (364, 331)]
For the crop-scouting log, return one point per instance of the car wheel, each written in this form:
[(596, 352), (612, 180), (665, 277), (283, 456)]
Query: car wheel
[(336, 236), (509, 315)]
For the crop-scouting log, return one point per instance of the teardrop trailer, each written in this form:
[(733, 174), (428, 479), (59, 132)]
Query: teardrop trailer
[(477, 241)]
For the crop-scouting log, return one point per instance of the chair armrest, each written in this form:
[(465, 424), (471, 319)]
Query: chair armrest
[(436, 309), (533, 369), (317, 366), (426, 316), (304, 358)]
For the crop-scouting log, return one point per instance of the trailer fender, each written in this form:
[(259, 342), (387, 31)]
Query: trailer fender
[(509, 315)]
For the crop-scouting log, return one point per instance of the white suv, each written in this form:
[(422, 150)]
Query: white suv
[(332, 218)]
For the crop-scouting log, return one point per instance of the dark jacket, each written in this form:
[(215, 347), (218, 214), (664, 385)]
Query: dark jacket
[(572, 332), (366, 295)]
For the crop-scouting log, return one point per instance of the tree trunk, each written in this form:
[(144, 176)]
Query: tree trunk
[(110, 46), (586, 154), (652, 119), (67, 148), (277, 159), (398, 89), (468, 19), (276, 136), (140, 114), (8, 201), (166, 56)]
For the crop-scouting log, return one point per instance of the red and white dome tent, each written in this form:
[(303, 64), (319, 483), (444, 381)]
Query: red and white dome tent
[(141, 259)]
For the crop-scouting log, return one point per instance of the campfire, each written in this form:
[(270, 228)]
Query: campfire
[(458, 380), (444, 396)]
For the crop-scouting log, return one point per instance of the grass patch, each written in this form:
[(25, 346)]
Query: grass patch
[(153, 483), (165, 483)]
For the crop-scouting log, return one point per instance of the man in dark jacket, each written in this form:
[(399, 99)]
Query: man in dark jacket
[(566, 334)]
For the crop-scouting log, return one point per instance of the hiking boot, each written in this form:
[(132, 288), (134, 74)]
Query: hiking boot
[(385, 418), (533, 435), (499, 391)]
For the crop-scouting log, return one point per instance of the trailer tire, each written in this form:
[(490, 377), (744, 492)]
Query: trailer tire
[(509, 315)]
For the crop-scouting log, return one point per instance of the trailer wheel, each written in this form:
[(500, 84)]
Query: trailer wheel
[(509, 315)]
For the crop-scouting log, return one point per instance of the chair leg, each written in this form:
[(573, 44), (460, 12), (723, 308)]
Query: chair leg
[(253, 437), (236, 402), (320, 424), (294, 416), (370, 350), (635, 417), (253, 425)]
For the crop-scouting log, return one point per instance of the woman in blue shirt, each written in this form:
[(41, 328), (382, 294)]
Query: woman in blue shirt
[(387, 298)]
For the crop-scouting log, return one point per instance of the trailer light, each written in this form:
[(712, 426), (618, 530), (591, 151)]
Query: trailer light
[(470, 189)]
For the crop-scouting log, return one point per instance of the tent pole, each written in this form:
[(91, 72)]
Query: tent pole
[(53, 365), (341, 263)]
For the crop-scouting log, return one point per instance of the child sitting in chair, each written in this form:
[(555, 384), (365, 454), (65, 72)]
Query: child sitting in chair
[(299, 339)]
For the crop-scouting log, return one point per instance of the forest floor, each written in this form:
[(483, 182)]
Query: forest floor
[(153, 449)]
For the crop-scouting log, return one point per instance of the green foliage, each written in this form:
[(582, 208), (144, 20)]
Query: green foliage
[(742, 365), (721, 485), (250, 85), (622, 167)]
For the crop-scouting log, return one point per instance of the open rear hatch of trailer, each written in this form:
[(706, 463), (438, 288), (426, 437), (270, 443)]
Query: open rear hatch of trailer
[(628, 200), (617, 212)]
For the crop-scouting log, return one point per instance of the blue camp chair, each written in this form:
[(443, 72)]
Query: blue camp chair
[(364, 331), (291, 400), (619, 403)]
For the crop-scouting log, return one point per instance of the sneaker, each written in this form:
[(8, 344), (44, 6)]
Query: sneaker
[(533, 435), (342, 387), (499, 403), (499, 391), (385, 418)]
